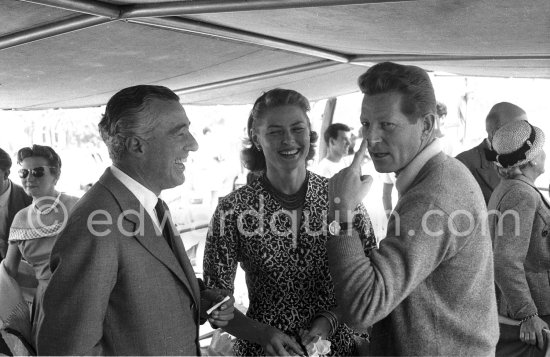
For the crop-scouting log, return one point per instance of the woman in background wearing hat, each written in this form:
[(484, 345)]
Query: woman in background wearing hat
[(521, 240)]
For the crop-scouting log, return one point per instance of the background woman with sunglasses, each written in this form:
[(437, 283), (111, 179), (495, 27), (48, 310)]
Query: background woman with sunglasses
[(35, 228)]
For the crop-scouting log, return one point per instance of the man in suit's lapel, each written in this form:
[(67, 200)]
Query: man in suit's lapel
[(136, 295), (151, 237)]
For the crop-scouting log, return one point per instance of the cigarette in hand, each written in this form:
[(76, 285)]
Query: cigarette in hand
[(210, 310)]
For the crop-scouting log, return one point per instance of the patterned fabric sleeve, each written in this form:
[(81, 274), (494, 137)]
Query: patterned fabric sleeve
[(221, 253)]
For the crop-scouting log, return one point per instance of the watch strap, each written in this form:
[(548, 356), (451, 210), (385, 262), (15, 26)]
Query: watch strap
[(344, 226)]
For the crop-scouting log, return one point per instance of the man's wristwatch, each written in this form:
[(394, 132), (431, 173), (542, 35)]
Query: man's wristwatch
[(335, 227)]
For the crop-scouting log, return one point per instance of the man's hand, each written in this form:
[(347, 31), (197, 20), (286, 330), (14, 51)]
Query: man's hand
[(531, 331), (348, 188), (222, 315)]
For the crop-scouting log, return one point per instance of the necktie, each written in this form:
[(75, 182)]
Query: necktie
[(162, 212)]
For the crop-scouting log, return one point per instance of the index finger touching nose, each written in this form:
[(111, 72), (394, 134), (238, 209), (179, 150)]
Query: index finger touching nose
[(360, 154)]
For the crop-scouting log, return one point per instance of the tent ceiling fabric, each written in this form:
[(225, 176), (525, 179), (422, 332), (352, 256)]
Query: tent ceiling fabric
[(507, 38), (416, 27)]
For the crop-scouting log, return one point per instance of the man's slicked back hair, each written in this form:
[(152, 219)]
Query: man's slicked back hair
[(412, 82), (127, 115)]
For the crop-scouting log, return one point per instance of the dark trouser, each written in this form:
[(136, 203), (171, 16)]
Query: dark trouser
[(509, 343)]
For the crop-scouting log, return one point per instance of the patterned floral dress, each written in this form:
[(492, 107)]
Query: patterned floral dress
[(287, 277)]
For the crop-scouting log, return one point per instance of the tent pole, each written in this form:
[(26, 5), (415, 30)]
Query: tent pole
[(50, 30), (328, 117), (256, 77), (434, 58), (90, 7), (176, 8), (197, 27)]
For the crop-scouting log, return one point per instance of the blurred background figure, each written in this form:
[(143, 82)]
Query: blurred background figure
[(447, 143), (273, 227), (34, 229), (441, 110), (338, 140), (12, 199), (521, 243), (476, 159)]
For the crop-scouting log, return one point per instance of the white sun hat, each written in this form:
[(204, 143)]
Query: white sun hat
[(517, 143)]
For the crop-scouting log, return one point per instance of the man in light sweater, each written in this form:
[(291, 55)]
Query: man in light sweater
[(429, 288)]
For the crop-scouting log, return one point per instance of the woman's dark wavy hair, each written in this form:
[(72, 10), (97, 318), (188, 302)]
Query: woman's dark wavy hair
[(54, 161), (253, 159), (411, 81)]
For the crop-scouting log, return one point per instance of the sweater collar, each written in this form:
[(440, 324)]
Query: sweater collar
[(407, 175)]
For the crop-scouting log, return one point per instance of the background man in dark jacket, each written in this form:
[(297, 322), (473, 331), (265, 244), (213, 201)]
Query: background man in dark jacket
[(475, 160), (12, 199)]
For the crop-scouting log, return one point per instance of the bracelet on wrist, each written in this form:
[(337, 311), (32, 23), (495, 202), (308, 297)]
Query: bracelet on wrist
[(529, 317), (331, 317)]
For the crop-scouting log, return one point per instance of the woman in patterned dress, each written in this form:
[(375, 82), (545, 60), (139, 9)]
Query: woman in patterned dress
[(275, 227), (35, 228)]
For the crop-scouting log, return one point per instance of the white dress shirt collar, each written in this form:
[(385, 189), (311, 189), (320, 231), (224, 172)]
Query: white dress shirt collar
[(145, 196)]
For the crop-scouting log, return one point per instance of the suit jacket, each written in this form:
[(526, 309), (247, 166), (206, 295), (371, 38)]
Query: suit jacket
[(484, 171), (117, 288), (17, 201), (521, 247)]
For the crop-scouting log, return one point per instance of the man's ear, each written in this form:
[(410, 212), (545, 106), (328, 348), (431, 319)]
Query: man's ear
[(6, 174), (134, 145), (428, 125)]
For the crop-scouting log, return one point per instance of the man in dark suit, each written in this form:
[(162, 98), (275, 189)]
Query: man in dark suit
[(122, 283), (12, 199), (475, 159)]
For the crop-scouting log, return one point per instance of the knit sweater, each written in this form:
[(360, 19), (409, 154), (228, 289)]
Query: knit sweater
[(429, 288)]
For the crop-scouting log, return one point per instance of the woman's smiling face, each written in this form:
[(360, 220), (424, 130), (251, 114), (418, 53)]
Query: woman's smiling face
[(283, 134)]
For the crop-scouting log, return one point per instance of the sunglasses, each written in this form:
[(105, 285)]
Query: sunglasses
[(36, 172)]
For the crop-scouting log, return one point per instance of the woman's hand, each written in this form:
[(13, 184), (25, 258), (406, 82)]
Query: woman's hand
[(277, 343), (531, 333), (12, 260), (319, 327)]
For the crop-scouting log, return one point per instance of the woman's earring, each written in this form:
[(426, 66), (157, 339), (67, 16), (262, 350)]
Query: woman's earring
[(259, 148)]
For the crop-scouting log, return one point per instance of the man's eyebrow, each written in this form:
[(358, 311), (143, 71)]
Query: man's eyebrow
[(279, 126), (178, 128)]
